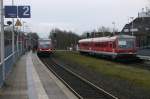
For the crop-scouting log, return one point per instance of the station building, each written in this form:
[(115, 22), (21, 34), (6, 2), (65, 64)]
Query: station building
[(140, 27)]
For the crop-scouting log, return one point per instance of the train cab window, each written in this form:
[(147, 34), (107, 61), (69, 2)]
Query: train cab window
[(44, 44), (126, 43)]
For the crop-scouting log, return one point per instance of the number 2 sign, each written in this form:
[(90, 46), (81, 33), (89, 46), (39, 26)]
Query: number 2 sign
[(24, 12)]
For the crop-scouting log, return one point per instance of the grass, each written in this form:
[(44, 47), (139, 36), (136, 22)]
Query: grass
[(135, 75)]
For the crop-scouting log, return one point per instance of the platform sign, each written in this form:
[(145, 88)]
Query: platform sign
[(24, 12), (10, 11), (18, 23)]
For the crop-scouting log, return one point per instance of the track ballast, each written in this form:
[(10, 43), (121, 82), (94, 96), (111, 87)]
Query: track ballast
[(80, 86)]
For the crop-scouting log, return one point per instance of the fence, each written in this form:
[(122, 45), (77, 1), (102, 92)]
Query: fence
[(10, 56)]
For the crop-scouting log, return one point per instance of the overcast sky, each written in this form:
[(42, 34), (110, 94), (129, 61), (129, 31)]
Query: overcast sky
[(79, 15)]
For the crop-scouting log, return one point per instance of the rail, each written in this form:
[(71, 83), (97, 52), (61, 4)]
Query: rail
[(83, 88)]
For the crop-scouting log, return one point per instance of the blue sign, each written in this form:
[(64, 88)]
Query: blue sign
[(24, 12), (10, 11)]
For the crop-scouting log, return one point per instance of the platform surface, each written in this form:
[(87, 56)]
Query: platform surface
[(15, 86), (30, 79), (144, 52)]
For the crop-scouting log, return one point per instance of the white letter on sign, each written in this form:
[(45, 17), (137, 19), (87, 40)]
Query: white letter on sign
[(26, 12)]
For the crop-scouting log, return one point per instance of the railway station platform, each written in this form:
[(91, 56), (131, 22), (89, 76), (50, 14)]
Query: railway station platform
[(30, 79), (144, 54)]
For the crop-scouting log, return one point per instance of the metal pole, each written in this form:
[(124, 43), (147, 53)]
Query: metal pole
[(13, 36), (23, 24), (132, 25), (20, 38), (2, 36), (113, 28), (17, 42), (132, 28)]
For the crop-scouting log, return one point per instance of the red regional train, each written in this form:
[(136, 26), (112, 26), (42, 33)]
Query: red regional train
[(44, 47), (120, 46)]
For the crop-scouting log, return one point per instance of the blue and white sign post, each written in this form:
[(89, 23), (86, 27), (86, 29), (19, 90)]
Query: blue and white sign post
[(10, 11), (17, 11), (24, 12)]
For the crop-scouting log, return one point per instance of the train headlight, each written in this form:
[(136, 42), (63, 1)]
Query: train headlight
[(113, 50), (130, 53), (49, 49)]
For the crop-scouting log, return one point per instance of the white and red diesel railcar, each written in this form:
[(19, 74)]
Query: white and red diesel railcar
[(44, 46), (122, 46)]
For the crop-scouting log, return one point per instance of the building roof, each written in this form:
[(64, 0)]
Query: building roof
[(140, 24)]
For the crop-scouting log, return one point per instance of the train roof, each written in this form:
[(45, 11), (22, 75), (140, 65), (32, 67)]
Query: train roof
[(44, 39), (103, 39), (85, 40)]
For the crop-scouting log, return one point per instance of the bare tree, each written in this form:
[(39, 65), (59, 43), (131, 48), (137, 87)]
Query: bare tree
[(62, 39)]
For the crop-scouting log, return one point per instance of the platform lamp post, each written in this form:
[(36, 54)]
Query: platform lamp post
[(113, 27), (132, 18), (13, 36), (23, 26), (2, 38)]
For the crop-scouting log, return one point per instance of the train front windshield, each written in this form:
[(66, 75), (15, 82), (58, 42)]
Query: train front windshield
[(125, 43), (44, 44)]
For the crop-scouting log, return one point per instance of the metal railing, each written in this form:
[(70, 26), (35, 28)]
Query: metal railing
[(10, 58)]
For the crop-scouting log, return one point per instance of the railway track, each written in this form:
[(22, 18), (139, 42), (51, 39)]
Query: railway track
[(140, 63), (144, 66), (82, 88)]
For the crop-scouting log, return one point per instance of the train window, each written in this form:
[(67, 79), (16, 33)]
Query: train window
[(123, 42), (105, 44), (41, 43), (114, 44), (85, 44), (111, 45), (102, 44), (126, 43), (97, 44), (44, 44)]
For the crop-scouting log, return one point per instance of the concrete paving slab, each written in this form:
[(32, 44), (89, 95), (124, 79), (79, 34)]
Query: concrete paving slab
[(54, 88), (35, 87), (30, 79), (15, 86), (144, 52)]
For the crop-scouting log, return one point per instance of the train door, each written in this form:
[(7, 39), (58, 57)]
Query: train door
[(110, 46)]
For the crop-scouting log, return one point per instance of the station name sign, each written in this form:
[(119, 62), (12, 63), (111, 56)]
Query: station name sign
[(18, 11)]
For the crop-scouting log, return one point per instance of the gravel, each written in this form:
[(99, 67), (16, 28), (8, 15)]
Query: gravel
[(116, 86)]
